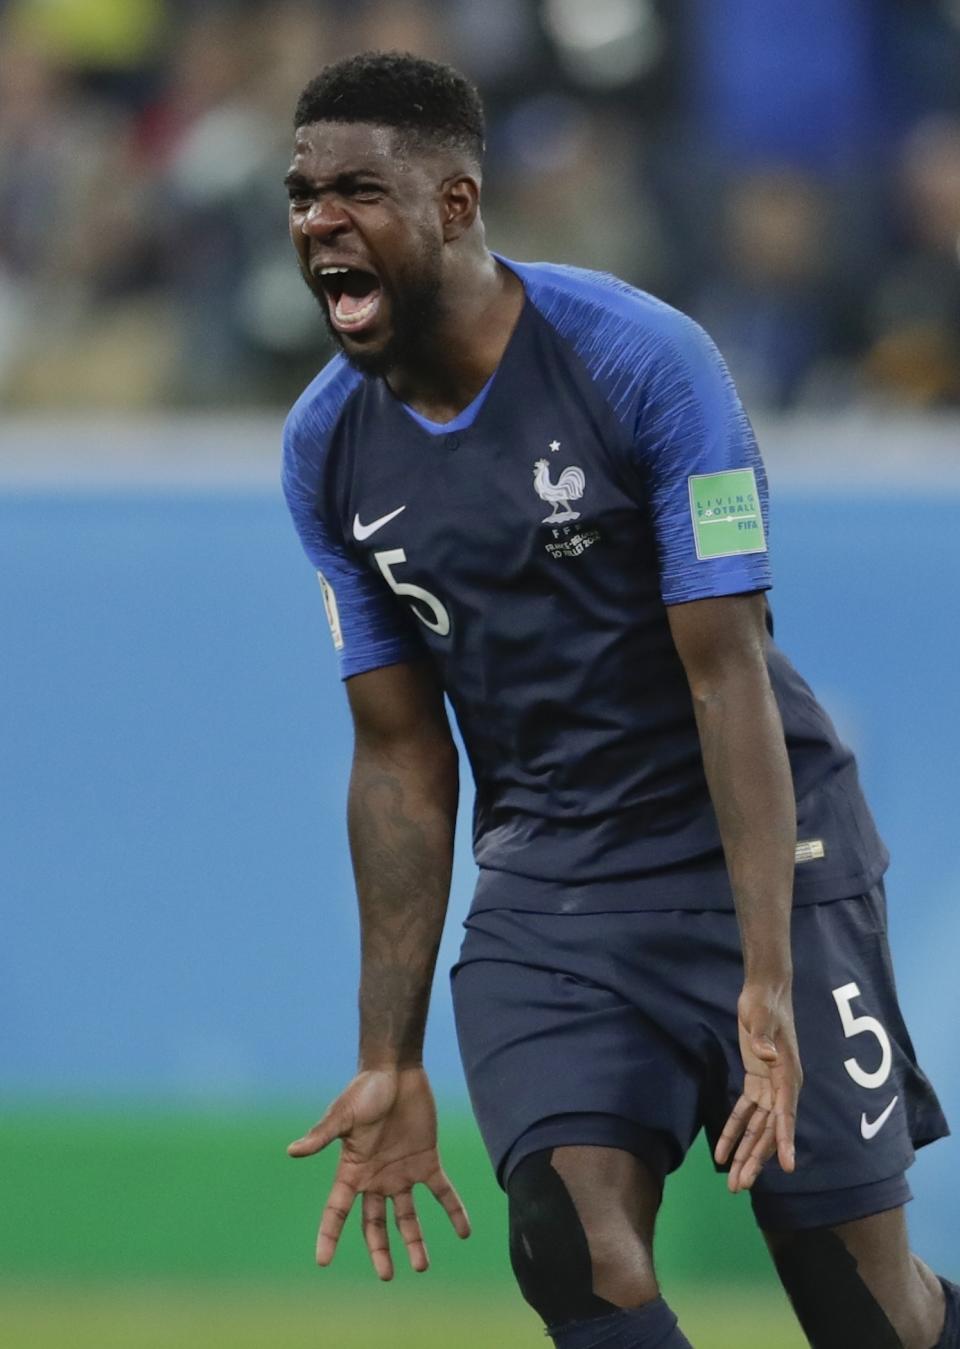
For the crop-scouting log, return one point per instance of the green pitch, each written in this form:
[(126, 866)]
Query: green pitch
[(131, 1194), (139, 1230), (190, 1317)]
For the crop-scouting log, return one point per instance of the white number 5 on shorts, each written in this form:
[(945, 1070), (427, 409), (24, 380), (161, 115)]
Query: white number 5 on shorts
[(862, 1025)]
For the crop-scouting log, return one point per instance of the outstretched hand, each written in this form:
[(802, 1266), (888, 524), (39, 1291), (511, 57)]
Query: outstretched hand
[(387, 1123), (763, 1121)]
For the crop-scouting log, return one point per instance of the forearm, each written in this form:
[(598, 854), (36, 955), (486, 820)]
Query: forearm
[(401, 813), (748, 773)]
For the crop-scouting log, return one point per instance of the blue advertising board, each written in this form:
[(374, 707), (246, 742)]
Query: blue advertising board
[(179, 920)]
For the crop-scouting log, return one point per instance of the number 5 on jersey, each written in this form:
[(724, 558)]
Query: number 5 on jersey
[(439, 619)]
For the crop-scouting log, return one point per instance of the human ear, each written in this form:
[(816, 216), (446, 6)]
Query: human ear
[(460, 202)]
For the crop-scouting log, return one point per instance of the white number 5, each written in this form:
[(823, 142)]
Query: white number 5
[(862, 1025), (439, 620)]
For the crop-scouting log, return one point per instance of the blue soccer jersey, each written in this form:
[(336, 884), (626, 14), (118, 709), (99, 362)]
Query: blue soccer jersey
[(529, 549)]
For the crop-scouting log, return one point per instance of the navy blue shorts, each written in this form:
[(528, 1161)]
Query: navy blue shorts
[(619, 1029)]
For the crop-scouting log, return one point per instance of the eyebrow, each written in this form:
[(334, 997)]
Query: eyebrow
[(345, 179)]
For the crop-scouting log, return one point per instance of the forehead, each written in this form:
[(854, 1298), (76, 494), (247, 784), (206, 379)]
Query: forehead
[(328, 149)]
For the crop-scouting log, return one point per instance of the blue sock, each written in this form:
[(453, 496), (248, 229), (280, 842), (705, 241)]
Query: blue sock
[(653, 1326), (950, 1339)]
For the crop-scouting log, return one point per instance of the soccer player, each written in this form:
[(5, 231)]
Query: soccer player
[(533, 489)]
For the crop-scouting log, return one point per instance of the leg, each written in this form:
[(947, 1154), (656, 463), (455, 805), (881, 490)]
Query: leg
[(836, 1227), (857, 1285), (581, 1245)]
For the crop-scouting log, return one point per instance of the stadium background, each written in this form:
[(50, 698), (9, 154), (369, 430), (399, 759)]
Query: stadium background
[(177, 966)]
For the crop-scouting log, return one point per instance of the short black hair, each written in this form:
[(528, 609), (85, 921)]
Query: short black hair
[(432, 101)]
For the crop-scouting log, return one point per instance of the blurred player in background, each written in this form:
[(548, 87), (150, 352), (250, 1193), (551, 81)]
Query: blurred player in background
[(533, 489)]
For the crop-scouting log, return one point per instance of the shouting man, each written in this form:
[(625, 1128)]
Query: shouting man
[(533, 489)]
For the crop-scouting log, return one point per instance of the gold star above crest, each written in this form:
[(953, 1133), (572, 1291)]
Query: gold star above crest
[(554, 445)]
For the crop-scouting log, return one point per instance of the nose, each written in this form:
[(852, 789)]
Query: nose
[(324, 220)]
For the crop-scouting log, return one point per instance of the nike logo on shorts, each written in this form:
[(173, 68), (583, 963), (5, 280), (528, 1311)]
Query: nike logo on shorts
[(870, 1128), (362, 532)]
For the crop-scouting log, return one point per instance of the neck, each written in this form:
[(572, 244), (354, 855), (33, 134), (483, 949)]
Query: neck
[(481, 306)]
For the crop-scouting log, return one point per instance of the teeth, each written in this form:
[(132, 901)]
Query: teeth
[(351, 320), (333, 271)]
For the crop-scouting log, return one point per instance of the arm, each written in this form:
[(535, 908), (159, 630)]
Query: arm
[(722, 644), (401, 811)]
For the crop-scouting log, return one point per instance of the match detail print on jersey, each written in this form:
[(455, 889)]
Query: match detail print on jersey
[(725, 509), (333, 613)]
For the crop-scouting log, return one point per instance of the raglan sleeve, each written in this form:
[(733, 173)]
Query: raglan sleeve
[(705, 478), (369, 627)]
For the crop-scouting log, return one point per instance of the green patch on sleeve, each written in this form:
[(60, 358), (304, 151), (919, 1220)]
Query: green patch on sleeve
[(725, 509)]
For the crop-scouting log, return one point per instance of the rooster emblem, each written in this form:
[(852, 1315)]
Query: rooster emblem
[(569, 487)]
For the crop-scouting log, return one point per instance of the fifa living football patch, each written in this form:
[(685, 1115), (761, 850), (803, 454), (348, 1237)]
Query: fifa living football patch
[(725, 509)]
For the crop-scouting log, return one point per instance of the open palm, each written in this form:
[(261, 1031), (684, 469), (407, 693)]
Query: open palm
[(387, 1122)]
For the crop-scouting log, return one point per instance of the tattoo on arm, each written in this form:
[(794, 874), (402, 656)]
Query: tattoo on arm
[(401, 837)]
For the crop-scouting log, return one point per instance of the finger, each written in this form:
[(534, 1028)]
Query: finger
[(761, 1152), (320, 1136), (735, 1178), (376, 1236), (786, 1135), (752, 1134), (408, 1225), (335, 1215), (442, 1190), (734, 1127)]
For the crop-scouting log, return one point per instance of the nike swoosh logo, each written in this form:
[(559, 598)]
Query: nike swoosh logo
[(362, 532), (870, 1128)]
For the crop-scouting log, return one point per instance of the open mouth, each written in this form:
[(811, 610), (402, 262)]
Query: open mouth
[(353, 297)]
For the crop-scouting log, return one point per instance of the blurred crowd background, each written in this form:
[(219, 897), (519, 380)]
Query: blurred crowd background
[(788, 173)]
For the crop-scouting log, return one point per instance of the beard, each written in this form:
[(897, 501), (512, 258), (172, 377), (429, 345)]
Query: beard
[(415, 314)]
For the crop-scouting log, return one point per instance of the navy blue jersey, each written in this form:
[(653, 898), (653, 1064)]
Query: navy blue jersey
[(529, 548)]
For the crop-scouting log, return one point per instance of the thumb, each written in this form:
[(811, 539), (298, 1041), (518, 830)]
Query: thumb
[(763, 1046), (320, 1136)]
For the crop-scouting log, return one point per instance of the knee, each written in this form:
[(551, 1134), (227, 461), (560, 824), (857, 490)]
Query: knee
[(621, 1265), (569, 1266)]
